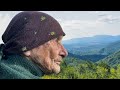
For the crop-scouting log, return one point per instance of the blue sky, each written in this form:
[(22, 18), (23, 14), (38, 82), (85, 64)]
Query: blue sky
[(76, 24)]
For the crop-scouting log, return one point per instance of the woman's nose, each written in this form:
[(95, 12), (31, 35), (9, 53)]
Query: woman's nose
[(63, 52)]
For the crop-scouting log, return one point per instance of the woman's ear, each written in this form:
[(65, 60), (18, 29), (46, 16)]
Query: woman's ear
[(27, 53)]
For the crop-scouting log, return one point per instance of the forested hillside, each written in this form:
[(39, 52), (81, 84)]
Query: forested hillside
[(112, 60), (111, 48), (78, 69)]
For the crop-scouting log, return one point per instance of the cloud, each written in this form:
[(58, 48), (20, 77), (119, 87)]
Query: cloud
[(109, 19), (80, 24), (88, 28), (80, 28), (105, 16)]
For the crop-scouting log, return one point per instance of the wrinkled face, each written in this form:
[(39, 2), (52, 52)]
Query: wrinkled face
[(49, 55)]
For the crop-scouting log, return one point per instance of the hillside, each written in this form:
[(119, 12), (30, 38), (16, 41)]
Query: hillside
[(92, 58), (112, 60), (111, 48)]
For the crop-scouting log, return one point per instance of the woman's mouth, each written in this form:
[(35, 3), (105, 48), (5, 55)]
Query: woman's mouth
[(58, 62)]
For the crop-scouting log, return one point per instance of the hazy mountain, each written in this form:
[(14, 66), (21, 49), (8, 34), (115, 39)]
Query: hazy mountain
[(93, 40), (89, 45)]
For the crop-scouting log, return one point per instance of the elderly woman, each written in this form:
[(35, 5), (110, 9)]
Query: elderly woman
[(32, 46)]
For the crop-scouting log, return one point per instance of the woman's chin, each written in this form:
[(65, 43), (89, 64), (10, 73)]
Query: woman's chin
[(56, 68)]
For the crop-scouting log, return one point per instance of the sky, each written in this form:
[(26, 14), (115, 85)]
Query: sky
[(76, 24)]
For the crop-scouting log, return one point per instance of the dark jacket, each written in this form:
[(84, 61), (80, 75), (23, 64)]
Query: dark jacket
[(18, 67)]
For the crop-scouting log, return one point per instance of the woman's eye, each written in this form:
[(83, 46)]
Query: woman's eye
[(59, 42)]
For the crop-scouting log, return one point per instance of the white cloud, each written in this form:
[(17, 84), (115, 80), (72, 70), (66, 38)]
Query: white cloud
[(88, 28), (80, 24), (109, 19), (80, 28)]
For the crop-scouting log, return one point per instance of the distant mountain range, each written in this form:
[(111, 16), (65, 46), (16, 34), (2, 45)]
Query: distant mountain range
[(95, 40), (93, 48)]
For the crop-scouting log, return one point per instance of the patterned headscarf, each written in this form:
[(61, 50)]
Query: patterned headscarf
[(28, 30)]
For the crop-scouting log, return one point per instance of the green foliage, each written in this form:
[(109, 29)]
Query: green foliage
[(72, 68)]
